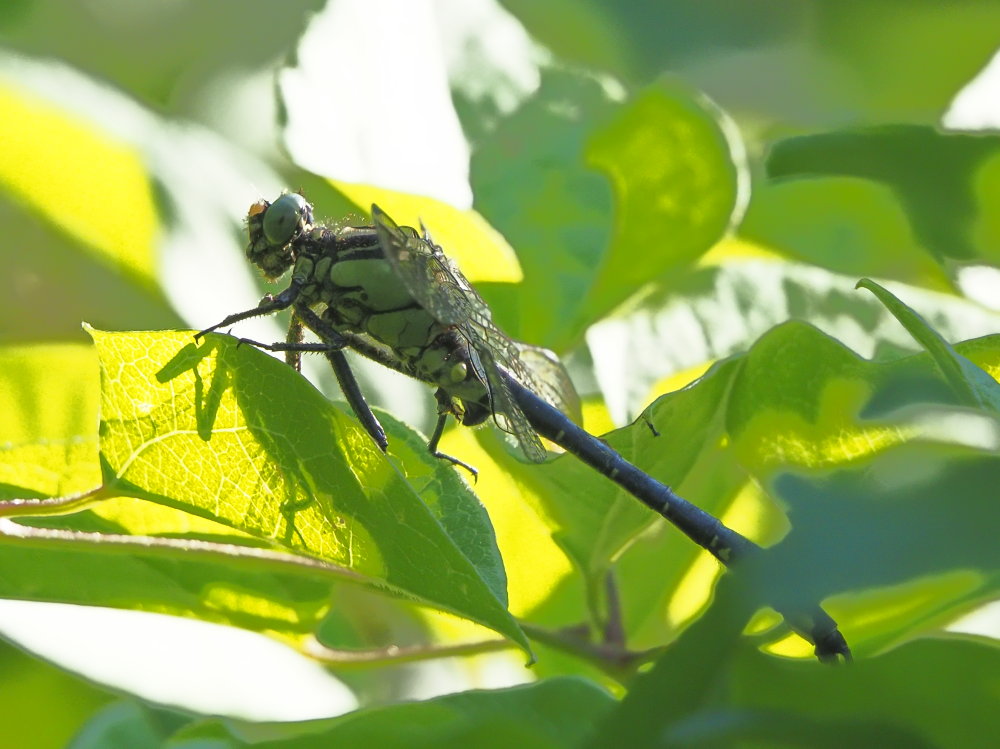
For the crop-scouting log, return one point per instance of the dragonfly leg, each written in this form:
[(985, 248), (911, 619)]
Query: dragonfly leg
[(289, 509), (297, 347), (432, 445), (267, 305), (352, 391), (342, 369), (320, 327), (294, 358), (345, 377)]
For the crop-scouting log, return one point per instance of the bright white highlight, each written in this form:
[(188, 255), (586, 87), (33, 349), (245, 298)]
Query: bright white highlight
[(370, 99), (977, 105), (370, 102), (207, 668)]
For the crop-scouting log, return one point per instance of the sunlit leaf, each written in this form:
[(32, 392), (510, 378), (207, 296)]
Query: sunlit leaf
[(87, 182), (723, 308), (198, 428), (481, 253), (666, 192), (972, 386), (558, 216), (48, 436), (675, 176)]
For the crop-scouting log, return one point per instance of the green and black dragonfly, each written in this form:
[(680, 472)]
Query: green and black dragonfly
[(390, 293)]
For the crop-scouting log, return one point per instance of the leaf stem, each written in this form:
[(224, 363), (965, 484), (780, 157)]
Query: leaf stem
[(615, 660), (395, 654), (53, 505)]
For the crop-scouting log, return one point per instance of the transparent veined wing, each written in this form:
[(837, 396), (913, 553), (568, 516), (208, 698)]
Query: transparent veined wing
[(440, 288), (429, 275), (550, 380)]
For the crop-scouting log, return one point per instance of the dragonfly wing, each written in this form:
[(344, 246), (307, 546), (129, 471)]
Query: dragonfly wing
[(430, 277), (438, 286), (549, 378), (509, 416)]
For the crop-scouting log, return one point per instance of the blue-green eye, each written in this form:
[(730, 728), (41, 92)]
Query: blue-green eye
[(283, 217)]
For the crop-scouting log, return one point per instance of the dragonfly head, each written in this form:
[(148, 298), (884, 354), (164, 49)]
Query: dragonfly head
[(273, 229)]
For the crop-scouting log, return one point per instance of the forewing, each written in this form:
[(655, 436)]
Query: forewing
[(440, 288), (430, 277)]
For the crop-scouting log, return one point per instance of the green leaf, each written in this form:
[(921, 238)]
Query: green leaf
[(97, 209), (972, 385), (682, 680), (42, 139), (559, 218), (230, 434), (675, 183), (128, 724), (84, 562), (835, 61), (711, 689), (722, 309), (27, 682), (595, 525), (849, 225), (790, 729), (550, 714), (50, 396), (881, 530), (934, 175), (897, 689), (804, 399), (797, 399), (666, 193), (804, 403), (48, 436)]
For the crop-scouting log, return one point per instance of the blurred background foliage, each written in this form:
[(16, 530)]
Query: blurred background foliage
[(647, 188)]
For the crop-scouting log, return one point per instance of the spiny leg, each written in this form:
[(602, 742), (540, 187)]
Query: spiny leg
[(267, 305), (285, 346), (432, 444), (345, 377), (294, 358), (352, 391)]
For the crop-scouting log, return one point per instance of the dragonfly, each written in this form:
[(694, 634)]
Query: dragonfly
[(390, 293)]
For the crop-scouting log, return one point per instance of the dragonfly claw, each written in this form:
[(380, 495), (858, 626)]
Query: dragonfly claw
[(455, 461)]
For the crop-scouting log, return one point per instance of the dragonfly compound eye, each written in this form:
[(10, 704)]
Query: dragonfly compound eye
[(284, 217)]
